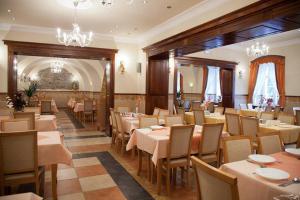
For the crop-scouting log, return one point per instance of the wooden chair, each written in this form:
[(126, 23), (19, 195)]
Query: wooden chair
[(199, 117), (26, 115), (277, 110), (174, 110), (250, 127), (147, 121), (270, 143), (88, 110), (211, 107), (13, 125), (123, 109), (178, 154), (286, 118), (268, 109), (121, 136), (236, 148), (163, 113), (220, 110), (6, 111), (267, 116), (113, 125), (46, 107), (243, 106), (209, 146), (213, 184), (298, 117), (19, 159), (180, 111), (231, 111), (156, 111), (172, 120), (36, 110), (196, 105), (233, 123)]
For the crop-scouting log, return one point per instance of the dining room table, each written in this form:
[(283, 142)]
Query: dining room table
[(252, 186), (209, 118), (288, 132), (21, 196)]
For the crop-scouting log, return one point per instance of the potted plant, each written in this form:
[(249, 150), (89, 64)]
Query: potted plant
[(18, 101), (31, 91)]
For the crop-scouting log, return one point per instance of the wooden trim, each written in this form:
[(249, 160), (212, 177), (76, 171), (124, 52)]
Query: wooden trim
[(133, 94), (186, 60)]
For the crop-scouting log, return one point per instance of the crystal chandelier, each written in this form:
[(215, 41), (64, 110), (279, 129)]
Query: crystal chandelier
[(75, 37), (111, 2), (56, 66), (257, 50)]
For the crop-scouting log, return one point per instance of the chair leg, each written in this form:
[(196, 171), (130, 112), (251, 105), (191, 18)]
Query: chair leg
[(159, 176), (174, 175), (168, 181), (187, 176), (122, 147), (140, 158), (37, 186)]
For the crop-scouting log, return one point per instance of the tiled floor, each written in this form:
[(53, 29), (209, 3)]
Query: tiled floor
[(99, 171)]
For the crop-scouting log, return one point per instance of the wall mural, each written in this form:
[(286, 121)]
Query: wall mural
[(56, 81)]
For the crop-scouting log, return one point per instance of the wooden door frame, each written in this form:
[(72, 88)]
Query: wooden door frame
[(54, 50)]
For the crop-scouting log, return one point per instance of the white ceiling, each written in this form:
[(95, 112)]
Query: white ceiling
[(120, 19)]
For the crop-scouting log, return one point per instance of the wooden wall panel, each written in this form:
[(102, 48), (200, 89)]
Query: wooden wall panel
[(227, 87)]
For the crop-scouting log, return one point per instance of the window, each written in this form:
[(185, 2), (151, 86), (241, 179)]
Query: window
[(213, 88), (266, 85)]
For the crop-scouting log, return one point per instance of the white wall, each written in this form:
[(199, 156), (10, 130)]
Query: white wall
[(194, 75)]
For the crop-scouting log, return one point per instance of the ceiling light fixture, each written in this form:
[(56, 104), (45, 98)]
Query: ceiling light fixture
[(257, 50), (75, 37), (56, 66)]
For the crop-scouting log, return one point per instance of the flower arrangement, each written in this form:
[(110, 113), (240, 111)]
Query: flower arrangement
[(32, 88), (18, 101), (269, 101)]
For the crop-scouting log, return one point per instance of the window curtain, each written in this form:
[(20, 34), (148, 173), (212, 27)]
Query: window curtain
[(204, 84), (213, 88), (279, 62)]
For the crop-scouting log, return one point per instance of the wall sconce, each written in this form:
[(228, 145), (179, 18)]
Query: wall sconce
[(240, 73), (191, 84), (122, 67)]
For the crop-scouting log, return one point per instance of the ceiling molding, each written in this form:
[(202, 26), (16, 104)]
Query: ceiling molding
[(52, 31)]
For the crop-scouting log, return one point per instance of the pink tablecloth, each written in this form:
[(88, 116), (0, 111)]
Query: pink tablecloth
[(156, 142), (46, 123), (23, 196), (51, 150), (253, 187), (132, 123)]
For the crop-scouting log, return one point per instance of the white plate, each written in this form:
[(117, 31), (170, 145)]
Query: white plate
[(156, 127), (293, 151), (272, 174), (264, 159)]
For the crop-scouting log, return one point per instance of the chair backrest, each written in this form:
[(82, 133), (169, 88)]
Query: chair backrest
[(267, 115), (250, 106), (147, 121), (243, 106), (6, 111), (120, 129), (270, 143), (156, 111), (199, 117), (173, 120), (36, 110), (88, 105), (298, 118), (250, 126), (18, 152), (210, 138), (26, 115), (180, 141), (214, 184), (180, 111), (113, 118), (46, 106), (277, 111), (236, 148), (211, 107), (123, 109), (268, 109), (163, 113), (187, 105), (196, 105), (13, 125), (220, 110), (286, 118), (231, 111), (233, 123), (174, 110)]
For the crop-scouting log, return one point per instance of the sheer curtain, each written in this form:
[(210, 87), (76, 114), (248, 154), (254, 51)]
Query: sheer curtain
[(266, 85), (213, 88)]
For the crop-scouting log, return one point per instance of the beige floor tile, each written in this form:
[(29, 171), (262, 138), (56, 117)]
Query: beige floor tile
[(75, 196), (86, 162), (96, 182), (64, 174), (87, 141)]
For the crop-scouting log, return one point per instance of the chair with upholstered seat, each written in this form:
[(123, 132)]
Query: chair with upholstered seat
[(26, 115), (277, 110), (196, 105), (178, 154), (220, 110), (156, 111), (172, 120), (36, 110), (113, 125), (180, 110), (267, 115), (19, 159), (121, 136), (214, 184), (46, 107), (209, 146), (199, 117), (270, 143), (211, 107), (236, 148), (163, 113), (268, 109), (231, 111), (233, 123), (123, 109), (147, 121), (286, 118), (88, 110), (12, 125), (250, 127)]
